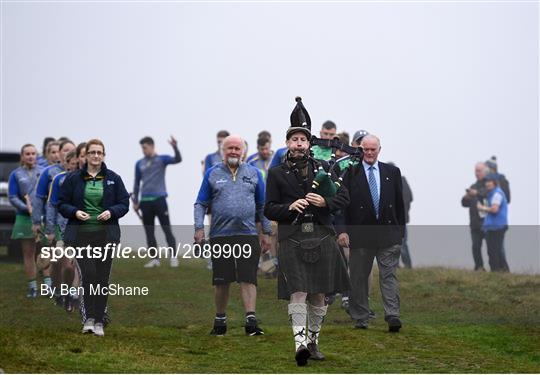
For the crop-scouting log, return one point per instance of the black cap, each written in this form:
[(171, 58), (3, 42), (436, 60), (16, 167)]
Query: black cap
[(300, 120)]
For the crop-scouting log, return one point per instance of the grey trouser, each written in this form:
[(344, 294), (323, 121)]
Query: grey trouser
[(360, 264)]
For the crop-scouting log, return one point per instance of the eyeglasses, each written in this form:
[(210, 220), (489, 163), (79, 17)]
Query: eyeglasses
[(96, 153)]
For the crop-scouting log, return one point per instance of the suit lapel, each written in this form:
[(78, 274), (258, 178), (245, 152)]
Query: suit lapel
[(361, 180), (386, 184), (292, 181)]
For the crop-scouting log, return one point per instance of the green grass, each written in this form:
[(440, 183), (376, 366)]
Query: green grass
[(454, 321)]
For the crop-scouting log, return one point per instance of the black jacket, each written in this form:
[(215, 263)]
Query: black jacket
[(283, 188), (359, 220), (505, 186), (475, 221), (71, 199)]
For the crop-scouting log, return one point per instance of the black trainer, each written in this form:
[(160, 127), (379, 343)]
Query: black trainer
[(252, 329), (219, 330)]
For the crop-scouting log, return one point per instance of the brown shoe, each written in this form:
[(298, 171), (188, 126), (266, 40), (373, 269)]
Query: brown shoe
[(302, 355), (315, 353)]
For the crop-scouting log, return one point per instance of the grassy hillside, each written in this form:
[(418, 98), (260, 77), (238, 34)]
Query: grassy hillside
[(454, 321)]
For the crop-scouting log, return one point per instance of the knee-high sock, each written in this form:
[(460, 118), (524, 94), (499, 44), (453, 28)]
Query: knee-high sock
[(316, 316), (298, 317)]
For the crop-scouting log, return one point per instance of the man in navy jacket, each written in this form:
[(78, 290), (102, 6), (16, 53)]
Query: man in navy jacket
[(372, 226)]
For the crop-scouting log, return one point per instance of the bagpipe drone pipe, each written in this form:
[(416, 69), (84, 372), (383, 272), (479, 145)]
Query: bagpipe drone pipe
[(326, 182)]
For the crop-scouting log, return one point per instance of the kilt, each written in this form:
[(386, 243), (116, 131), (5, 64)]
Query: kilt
[(327, 275)]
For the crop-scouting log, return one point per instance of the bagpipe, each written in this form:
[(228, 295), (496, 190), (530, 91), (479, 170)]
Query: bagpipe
[(325, 183)]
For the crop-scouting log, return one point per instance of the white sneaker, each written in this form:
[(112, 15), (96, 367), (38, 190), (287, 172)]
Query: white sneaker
[(98, 329), (153, 263), (88, 326), (174, 262)]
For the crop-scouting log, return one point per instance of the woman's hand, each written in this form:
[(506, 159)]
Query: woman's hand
[(104, 216), (81, 215)]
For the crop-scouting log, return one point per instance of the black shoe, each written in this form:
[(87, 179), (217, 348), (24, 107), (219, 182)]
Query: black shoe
[(254, 330), (362, 324), (314, 352), (372, 314), (302, 355), (394, 324), (220, 330)]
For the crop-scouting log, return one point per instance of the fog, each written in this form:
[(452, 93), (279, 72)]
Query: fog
[(444, 85)]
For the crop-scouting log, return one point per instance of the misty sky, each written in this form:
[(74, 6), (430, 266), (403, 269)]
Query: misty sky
[(443, 84)]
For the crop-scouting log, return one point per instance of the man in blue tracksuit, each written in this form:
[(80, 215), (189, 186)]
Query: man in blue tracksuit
[(262, 159), (150, 171), (235, 192), (215, 158), (263, 134)]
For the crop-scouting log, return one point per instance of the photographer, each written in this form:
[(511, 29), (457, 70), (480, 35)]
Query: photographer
[(476, 193)]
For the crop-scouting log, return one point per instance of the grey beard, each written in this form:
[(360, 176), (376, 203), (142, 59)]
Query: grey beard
[(233, 162)]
